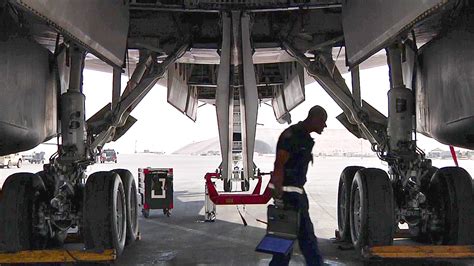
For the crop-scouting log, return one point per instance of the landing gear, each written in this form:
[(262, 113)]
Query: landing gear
[(131, 202), (343, 201), (105, 212), (371, 209), (227, 185), (451, 197), (245, 185), (419, 230), (22, 225)]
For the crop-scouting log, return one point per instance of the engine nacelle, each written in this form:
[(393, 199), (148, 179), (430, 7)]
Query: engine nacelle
[(444, 95), (28, 105)]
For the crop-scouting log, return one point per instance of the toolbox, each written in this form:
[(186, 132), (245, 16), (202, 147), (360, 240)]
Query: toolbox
[(282, 231)]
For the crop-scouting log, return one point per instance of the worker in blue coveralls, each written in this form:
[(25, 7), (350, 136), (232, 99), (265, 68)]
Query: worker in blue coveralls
[(289, 176)]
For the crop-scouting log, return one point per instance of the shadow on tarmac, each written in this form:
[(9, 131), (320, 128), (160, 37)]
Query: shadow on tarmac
[(184, 239)]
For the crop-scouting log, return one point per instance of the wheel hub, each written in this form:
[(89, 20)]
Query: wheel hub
[(120, 214), (357, 213)]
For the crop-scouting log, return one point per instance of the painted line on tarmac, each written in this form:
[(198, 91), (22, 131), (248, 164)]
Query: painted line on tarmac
[(202, 233)]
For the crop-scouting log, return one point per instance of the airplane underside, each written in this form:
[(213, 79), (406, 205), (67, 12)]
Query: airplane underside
[(235, 55)]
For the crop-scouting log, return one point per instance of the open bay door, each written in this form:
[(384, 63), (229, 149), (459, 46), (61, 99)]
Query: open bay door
[(180, 95), (291, 93)]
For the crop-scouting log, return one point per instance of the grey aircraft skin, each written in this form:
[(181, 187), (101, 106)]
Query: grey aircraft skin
[(235, 55)]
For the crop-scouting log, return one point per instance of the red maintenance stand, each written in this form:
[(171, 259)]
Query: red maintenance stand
[(214, 198), (155, 186)]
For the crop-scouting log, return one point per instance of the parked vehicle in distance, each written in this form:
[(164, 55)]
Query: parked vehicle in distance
[(11, 160), (108, 155), (38, 157), (35, 157), (27, 157)]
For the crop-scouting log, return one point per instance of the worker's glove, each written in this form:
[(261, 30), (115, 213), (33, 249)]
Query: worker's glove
[(276, 193), (278, 203)]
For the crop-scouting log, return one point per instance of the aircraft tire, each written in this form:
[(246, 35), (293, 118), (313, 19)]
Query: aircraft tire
[(451, 196), (343, 201), (22, 195), (105, 219), (131, 202), (245, 184), (472, 184), (227, 185), (372, 213)]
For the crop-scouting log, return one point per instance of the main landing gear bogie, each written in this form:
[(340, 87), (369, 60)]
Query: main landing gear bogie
[(106, 208), (368, 215)]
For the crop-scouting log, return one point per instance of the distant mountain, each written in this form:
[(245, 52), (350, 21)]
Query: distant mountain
[(331, 142)]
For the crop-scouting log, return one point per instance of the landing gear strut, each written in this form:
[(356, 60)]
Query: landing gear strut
[(435, 203), (40, 208)]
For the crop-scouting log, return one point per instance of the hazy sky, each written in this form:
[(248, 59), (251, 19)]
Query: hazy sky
[(161, 127)]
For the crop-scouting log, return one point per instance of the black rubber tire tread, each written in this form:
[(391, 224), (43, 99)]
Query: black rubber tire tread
[(16, 220), (345, 181), (227, 185), (453, 184), (377, 211), (132, 218), (100, 227), (472, 184), (245, 185)]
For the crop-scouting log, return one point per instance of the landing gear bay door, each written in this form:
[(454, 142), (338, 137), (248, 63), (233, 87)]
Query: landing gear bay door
[(100, 26), (366, 31)]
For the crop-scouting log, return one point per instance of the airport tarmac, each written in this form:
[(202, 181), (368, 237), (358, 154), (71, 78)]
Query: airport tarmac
[(185, 239)]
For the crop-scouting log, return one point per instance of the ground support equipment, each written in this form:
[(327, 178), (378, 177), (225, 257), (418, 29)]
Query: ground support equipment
[(214, 198), (155, 186)]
